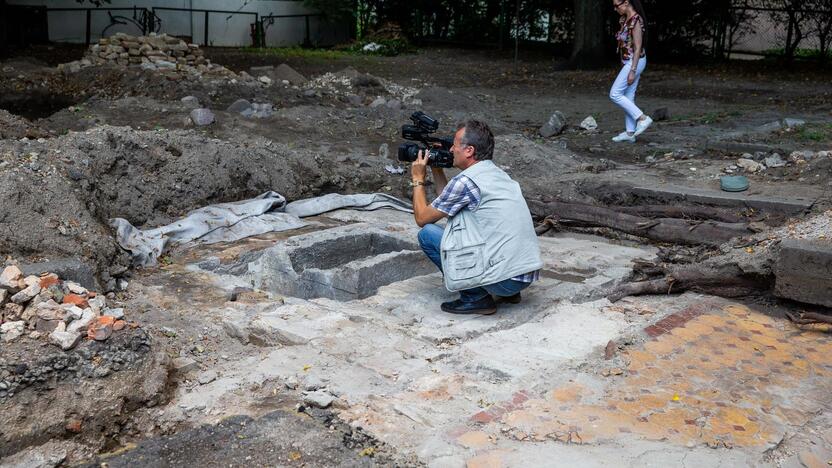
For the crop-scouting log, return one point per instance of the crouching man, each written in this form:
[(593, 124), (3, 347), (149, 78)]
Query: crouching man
[(489, 247)]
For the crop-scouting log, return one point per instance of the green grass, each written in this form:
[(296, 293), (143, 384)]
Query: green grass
[(300, 52), (390, 47), (815, 132)]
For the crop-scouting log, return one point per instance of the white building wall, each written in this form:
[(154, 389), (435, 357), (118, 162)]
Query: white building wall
[(224, 29)]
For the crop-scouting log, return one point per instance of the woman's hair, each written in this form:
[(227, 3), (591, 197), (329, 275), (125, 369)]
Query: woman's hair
[(639, 9), (637, 5)]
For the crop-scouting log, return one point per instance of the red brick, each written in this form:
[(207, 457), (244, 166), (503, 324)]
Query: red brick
[(76, 300), (49, 280), (654, 331), (74, 425), (482, 417), (520, 397)]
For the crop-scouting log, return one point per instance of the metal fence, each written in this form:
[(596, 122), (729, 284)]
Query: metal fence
[(204, 26)]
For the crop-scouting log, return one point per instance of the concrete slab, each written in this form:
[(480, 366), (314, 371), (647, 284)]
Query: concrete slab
[(670, 194), (568, 332), (804, 271)]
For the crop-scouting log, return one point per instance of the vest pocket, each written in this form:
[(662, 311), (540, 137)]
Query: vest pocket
[(464, 263), (463, 251)]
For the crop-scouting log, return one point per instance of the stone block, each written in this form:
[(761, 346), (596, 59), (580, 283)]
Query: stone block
[(553, 126), (803, 272), (26, 295), (207, 377), (10, 277), (117, 313), (69, 269), (287, 73), (318, 399), (183, 365), (272, 330), (64, 339), (12, 330), (75, 288), (101, 328), (97, 304), (660, 114), (239, 105), (47, 326), (202, 117), (81, 324)]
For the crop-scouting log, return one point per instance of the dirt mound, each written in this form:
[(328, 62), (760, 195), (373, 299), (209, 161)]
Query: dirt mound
[(12, 126), (44, 216), (57, 195), (535, 165), (88, 392)]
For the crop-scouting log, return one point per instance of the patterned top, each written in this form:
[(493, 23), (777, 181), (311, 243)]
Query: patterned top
[(624, 36), (461, 192)]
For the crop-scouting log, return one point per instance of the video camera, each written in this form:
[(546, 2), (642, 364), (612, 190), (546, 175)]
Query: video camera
[(421, 130)]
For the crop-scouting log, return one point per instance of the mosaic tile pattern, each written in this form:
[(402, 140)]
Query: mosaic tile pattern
[(715, 374)]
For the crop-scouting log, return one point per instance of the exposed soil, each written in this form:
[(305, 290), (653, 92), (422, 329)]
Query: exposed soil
[(78, 149)]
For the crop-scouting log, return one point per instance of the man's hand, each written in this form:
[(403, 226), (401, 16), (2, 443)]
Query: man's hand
[(422, 212), (419, 167)]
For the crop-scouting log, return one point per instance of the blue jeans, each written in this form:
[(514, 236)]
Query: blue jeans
[(430, 237)]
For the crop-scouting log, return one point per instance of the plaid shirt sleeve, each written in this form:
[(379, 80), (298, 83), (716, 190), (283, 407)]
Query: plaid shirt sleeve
[(460, 192)]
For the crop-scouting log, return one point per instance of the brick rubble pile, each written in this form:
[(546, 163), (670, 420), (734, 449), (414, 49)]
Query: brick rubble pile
[(152, 52), (63, 312)]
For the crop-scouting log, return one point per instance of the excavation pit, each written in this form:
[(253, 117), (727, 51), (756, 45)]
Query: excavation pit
[(344, 263), (35, 105)]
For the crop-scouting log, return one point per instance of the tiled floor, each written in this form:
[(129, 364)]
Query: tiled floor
[(715, 373)]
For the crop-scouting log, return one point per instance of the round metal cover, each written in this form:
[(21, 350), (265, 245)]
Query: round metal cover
[(733, 183)]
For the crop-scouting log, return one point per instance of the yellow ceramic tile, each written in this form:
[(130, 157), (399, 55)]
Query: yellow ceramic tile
[(660, 347), (570, 393)]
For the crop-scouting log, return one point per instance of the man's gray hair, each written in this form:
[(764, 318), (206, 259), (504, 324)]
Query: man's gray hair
[(478, 135)]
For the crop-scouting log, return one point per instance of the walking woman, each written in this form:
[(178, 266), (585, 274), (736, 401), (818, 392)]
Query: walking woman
[(631, 41)]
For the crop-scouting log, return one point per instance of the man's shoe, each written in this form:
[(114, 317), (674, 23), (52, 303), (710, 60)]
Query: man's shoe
[(484, 306), (515, 299), (624, 137), (643, 125)]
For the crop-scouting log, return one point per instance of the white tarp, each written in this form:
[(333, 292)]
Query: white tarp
[(227, 222)]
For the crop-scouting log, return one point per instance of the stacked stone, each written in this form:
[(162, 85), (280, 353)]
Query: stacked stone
[(63, 311), (152, 52)]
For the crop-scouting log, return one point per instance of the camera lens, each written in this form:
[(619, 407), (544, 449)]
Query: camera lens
[(408, 152)]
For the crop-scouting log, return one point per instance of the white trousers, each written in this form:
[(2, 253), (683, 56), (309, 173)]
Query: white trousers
[(624, 95)]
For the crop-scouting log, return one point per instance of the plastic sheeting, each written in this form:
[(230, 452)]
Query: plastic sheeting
[(227, 222)]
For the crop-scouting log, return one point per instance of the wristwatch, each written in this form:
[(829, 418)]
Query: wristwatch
[(416, 183)]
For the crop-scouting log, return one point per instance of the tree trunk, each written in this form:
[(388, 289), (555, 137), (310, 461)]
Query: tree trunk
[(725, 281), (673, 230), (588, 48)]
